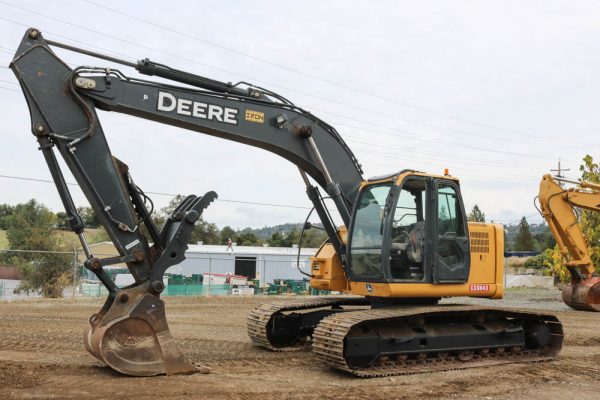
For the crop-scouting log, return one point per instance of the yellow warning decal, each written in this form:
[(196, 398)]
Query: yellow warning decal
[(255, 116)]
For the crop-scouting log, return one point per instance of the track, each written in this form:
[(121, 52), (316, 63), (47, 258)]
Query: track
[(259, 318), (330, 335)]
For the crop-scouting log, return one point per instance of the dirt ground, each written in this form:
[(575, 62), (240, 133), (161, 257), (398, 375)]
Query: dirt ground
[(42, 356)]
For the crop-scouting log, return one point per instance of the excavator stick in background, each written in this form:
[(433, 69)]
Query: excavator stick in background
[(558, 207)]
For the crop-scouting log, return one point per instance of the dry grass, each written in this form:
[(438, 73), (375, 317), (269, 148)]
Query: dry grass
[(3, 240)]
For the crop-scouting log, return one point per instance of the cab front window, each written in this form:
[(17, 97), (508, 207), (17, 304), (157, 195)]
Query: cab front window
[(367, 231)]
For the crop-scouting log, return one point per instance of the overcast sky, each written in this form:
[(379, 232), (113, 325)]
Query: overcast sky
[(497, 92)]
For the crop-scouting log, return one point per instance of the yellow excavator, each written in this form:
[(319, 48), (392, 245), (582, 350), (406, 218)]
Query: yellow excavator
[(558, 207), (405, 242)]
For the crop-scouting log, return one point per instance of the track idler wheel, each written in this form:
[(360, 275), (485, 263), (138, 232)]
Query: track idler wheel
[(583, 295), (133, 337)]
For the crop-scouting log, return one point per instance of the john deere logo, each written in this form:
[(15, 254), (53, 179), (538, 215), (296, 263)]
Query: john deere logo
[(369, 287)]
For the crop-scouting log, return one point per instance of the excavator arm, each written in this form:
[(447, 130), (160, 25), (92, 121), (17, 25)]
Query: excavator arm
[(558, 207), (63, 102)]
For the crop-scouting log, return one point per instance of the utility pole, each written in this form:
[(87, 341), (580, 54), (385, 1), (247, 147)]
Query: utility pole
[(559, 171)]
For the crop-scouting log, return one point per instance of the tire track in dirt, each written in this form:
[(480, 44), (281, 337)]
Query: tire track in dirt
[(42, 356)]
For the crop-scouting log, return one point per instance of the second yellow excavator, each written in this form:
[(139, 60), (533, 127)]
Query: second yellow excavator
[(558, 207)]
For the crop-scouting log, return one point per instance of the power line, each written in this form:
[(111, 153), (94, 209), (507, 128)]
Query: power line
[(512, 221), (10, 89), (444, 157), (378, 150), (416, 122), (22, 178), (68, 38), (387, 155), (35, 251), (416, 136), (244, 76), (412, 135), (432, 126), (294, 70), (439, 156)]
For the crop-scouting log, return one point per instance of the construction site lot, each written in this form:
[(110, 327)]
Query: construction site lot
[(42, 356)]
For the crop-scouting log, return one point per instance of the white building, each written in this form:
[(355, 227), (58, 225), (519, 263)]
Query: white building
[(263, 263)]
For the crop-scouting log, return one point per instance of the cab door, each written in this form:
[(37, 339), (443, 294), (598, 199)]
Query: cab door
[(409, 229), (367, 233), (451, 254)]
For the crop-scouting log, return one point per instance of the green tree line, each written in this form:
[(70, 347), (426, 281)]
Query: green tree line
[(40, 234)]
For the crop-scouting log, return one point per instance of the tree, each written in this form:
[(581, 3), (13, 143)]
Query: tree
[(205, 232), (31, 227), (62, 221), (550, 262), (314, 237), (476, 215), (284, 240), (5, 212), (524, 240), (89, 217), (226, 234), (507, 243), (248, 239), (589, 220), (276, 240), (544, 239)]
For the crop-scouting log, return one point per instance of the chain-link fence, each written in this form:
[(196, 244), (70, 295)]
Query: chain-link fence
[(198, 275), (10, 275)]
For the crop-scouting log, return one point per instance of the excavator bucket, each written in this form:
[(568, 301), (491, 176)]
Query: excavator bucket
[(133, 337), (583, 295), (130, 334)]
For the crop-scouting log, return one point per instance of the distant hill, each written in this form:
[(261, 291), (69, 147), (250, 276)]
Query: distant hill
[(268, 231)]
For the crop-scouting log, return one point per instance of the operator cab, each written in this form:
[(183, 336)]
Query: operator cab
[(410, 227)]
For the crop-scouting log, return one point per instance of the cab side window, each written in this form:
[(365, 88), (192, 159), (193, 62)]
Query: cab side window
[(449, 214), (452, 246)]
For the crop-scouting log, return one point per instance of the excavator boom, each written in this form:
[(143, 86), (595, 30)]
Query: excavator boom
[(558, 207)]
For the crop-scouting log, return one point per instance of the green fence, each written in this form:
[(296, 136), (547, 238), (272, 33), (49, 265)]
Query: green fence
[(192, 286), (98, 290), (93, 290), (197, 290)]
